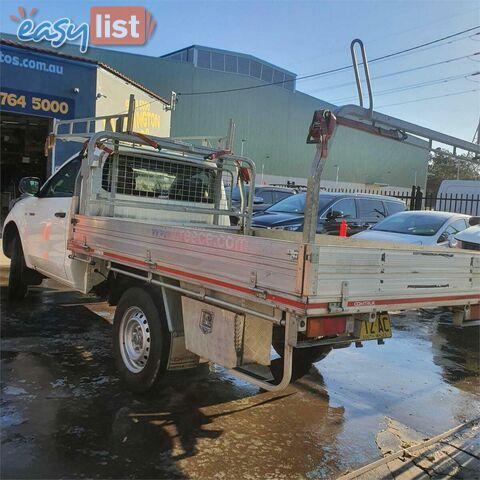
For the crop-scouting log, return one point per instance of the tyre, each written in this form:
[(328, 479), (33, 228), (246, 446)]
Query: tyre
[(301, 363), (305, 355), (140, 339), (17, 281)]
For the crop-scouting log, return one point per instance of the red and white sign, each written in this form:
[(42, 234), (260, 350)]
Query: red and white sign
[(120, 25)]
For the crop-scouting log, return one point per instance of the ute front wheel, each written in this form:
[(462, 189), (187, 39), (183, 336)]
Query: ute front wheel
[(17, 281)]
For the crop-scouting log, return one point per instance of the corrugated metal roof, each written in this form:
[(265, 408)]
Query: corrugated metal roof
[(231, 52), (11, 43)]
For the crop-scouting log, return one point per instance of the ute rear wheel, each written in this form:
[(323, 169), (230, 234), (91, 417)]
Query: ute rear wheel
[(140, 339), (17, 279), (305, 355), (301, 362)]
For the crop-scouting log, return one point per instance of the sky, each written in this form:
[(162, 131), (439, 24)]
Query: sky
[(307, 37)]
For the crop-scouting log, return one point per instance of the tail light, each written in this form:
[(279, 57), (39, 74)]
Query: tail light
[(475, 312), (326, 326)]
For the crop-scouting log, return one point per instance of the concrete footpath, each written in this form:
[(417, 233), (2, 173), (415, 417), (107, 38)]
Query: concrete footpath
[(410, 456)]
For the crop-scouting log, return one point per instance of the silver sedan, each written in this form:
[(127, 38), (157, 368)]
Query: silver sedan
[(418, 228)]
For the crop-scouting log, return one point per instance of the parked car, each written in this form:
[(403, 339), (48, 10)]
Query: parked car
[(264, 197), (469, 239), (419, 228), (359, 210)]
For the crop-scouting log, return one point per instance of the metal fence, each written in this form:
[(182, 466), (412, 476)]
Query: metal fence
[(417, 200)]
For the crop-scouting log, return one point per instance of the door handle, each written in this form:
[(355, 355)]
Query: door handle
[(60, 214)]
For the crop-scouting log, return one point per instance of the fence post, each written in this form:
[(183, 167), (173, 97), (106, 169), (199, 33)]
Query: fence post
[(418, 199), (412, 198)]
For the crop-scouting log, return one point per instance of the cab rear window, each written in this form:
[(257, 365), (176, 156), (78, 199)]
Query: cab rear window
[(145, 177)]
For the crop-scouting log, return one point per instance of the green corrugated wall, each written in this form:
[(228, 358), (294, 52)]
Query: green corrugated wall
[(273, 120)]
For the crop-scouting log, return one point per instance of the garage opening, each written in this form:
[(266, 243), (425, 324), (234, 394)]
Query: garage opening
[(22, 153)]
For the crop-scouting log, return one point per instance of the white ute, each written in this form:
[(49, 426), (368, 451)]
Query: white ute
[(145, 221)]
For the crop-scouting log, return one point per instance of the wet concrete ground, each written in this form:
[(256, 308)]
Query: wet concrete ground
[(65, 415)]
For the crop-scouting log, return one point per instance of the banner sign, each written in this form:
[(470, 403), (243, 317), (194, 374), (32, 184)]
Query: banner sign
[(31, 103), (126, 25)]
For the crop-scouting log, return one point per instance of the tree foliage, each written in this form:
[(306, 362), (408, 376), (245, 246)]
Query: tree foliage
[(441, 167)]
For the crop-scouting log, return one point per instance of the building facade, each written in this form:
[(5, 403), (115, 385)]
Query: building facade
[(38, 86), (271, 121)]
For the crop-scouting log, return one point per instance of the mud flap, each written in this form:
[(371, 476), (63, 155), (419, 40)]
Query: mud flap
[(179, 358)]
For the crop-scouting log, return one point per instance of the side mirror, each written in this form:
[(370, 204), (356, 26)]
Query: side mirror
[(474, 221), (443, 238), (257, 200), (334, 214), (452, 242), (29, 185)]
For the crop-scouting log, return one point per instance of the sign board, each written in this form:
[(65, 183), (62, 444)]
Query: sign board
[(33, 103), (113, 93)]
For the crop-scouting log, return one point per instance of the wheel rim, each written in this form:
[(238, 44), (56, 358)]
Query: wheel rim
[(135, 339)]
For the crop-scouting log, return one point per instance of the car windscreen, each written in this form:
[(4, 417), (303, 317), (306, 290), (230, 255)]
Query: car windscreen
[(296, 204), (236, 193), (411, 224)]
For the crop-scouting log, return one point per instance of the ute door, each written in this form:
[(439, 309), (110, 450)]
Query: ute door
[(49, 221)]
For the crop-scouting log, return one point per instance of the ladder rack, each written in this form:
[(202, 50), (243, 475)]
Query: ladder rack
[(83, 129)]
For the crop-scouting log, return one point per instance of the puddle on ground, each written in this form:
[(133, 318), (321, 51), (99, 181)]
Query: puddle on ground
[(206, 423)]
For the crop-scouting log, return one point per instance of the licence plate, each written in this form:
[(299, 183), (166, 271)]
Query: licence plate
[(379, 328)]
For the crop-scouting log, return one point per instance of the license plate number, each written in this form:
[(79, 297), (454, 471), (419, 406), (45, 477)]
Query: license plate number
[(379, 328)]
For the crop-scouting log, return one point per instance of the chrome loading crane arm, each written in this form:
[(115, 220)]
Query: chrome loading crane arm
[(325, 123)]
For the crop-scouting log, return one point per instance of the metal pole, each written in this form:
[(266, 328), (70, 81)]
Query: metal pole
[(366, 72), (313, 193), (52, 152), (336, 177), (241, 149), (131, 113), (219, 173), (382, 120), (230, 135)]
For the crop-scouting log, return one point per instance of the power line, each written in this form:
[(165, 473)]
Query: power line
[(393, 74), (400, 33), (430, 47), (347, 67), (430, 98), (412, 86), (334, 70)]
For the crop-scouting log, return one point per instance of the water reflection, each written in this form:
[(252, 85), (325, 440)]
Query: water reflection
[(65, 413), (457, 351)]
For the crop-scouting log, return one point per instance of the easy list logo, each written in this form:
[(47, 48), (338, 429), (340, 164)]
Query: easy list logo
[(57, 32), (109, 26)]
